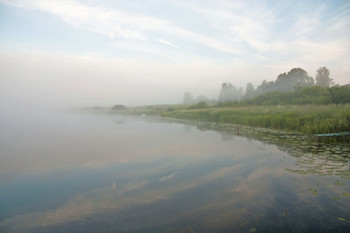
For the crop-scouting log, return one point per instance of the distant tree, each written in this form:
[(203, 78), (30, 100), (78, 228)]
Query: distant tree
[(266, 87), (249, 91), (296, 77), (240, 93), (322, 77), (229, 92), (118, 107), (302, 95), (202, 98), (188, 98)]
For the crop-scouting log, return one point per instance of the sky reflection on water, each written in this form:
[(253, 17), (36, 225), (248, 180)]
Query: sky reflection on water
[(82, 173)]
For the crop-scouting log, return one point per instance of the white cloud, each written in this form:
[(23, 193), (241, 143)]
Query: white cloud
[(116, 23), (167, 43), (235, 22), (97, 19)]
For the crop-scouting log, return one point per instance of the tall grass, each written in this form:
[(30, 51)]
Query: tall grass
[(309, 119)]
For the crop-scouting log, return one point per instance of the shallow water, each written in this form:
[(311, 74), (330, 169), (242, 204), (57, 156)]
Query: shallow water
[(98, 173)]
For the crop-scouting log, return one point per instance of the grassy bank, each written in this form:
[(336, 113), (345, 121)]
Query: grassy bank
[(309, 119)]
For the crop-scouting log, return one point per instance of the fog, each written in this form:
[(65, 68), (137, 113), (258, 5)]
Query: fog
[(143, 53), (40, 80)]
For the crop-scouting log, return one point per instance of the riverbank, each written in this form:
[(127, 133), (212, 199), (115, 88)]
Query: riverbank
[(306, 119)]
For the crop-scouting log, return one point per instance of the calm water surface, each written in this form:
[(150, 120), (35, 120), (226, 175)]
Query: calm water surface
[(86, 173)]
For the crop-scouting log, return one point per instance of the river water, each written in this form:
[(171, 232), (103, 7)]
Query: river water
[(108, 173)]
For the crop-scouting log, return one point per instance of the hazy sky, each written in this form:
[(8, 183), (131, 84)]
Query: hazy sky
[(138, 52)]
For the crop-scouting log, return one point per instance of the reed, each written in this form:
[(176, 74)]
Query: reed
[(308, 119)]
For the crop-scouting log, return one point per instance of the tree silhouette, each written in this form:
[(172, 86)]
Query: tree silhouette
[(322, 77)]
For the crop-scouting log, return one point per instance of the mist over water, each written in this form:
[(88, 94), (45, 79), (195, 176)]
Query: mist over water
[(63, 171), (69, 172)]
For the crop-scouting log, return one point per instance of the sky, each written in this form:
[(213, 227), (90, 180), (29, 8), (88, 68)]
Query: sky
[(135, 52)]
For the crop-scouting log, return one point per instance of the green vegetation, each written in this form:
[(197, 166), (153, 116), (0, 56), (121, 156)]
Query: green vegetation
[(309, 119), (306, 95), (293, 87), (291, 103), (315, 95), (308, 110), (152, 110), (200, 105)]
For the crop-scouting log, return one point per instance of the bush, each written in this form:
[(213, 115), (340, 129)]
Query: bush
[(340, 94), (118, 107), (200, 105)]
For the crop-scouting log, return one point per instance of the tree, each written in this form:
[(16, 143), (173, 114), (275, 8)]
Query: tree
[(249, 91), (322, 77), (229, 92), (240, 92), (202, 98), (188, 98), (266, 87), (340, 94), (296, 77)]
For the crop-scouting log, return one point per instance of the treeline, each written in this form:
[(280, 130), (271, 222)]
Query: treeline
[(293, 102), (293, 87), (300, 96)]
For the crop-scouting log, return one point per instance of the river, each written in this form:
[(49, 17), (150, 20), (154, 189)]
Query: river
[(65, 172)]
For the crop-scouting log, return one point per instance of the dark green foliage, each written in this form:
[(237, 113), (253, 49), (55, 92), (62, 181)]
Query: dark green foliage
[(340, 94), (200, 105), (228, 104), (270, 98), (311, 95)]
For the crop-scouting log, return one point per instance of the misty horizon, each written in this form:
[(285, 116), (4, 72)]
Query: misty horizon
[(77, 53)]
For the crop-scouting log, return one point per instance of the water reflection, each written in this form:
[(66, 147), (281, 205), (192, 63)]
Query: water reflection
[(146, 175)]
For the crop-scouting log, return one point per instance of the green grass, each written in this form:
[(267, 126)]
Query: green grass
[(308, 119), (150, 110)]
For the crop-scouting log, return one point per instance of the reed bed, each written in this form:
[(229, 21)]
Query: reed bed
[(308, 119)]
